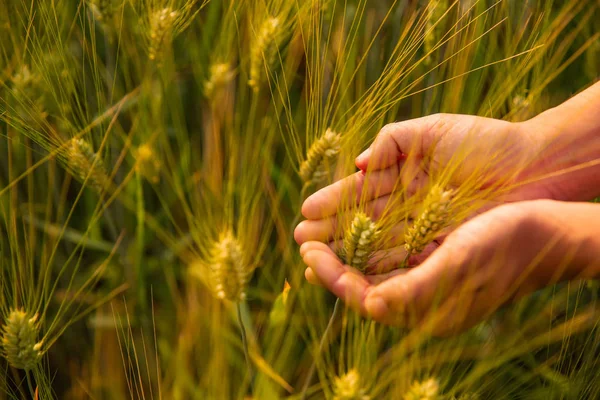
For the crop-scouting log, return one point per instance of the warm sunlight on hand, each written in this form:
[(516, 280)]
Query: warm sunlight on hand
[(490, 260), (409, 152)]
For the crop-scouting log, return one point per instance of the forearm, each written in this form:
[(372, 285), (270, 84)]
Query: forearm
[(569, 138), (572, 232)]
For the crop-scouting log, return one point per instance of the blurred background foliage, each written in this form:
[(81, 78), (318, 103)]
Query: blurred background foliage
[(136, 134)]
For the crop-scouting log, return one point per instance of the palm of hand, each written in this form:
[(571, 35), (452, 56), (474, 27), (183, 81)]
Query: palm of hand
[(432, 143), (483, 146)]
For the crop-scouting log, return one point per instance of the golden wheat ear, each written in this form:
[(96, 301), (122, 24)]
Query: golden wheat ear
[(425, 390), (229, 271), (161, 31), (19, 340), (82, 161), (348, 387), (434, 217), (360, 241), (220, 75), (264, 51), (101, 9), (319, 158)]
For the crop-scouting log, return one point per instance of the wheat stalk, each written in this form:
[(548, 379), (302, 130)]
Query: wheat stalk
[(433, 29), (19, 340)]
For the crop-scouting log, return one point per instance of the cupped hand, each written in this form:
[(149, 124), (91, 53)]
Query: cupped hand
[(407, 154), (493, 258)]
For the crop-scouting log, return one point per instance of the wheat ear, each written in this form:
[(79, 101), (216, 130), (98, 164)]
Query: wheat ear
[(264, 51), (19, 340), (161, 31), (81, 160), (434, 217), (360, 241), (220, 75), (230, 273), (425, 390), (348, 387), (320, 156)]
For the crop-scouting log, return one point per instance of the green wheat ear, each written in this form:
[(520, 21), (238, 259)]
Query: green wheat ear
[(81, 159), (101, 9), (425, 390), (161, 31), (220, 75), (433, 218), (229, 271), (360, 241), (263, 53), (19, 340), (348, 387), (320, 157)]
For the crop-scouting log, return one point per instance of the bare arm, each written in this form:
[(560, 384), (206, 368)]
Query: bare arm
[(499, 256), (570, 134)]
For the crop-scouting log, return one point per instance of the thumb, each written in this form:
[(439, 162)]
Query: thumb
[(394, 142), (409, 298)]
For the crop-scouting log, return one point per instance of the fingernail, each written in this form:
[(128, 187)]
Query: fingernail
[(303, 248), (363, 156), (376, 307)]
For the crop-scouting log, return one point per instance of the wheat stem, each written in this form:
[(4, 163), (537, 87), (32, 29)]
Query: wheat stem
[(30, 385), (313, 366), (244, 343)]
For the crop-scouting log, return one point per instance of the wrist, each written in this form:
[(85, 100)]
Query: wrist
[(567, 154), (568, 241)]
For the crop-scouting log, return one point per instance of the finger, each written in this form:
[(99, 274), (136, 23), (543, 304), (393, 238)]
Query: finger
[(330, 228), (311, 277), (343, 281), (350, 191), (390, 259), (377, 279), (394, 142), (413, 176), (312, 245), (406, 299)]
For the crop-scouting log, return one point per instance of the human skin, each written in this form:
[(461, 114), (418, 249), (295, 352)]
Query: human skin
[(484, 262)]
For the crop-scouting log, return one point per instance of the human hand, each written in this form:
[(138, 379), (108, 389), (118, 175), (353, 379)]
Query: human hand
[(494, 258), (430, 143)]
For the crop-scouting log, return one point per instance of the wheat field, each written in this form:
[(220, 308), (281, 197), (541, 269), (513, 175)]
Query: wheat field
[(154, 159)]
